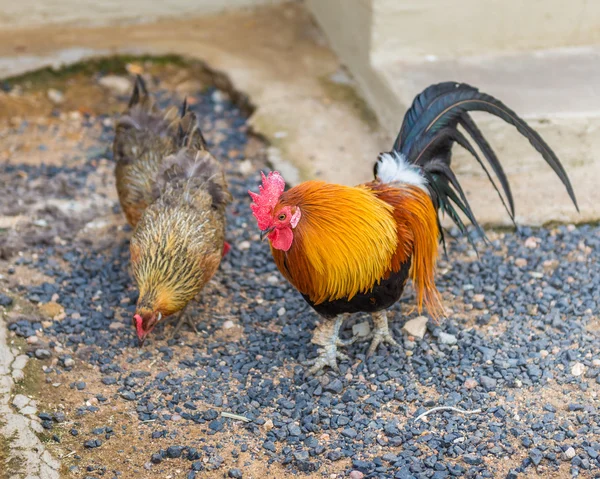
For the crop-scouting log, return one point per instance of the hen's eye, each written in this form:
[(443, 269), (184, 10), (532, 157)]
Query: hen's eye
[(282, 217)]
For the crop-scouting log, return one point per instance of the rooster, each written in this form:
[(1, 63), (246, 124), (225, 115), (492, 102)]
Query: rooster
[(352, 249), (144, 136), (179, 240)]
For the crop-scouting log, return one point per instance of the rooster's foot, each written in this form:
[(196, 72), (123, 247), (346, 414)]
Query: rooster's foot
[(184, 318), (381, 333), (328, 356), (327, 336)]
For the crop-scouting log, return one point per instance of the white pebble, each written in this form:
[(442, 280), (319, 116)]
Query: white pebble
[(228, 324), (281, 311), (244, 245), (416, 327), (570, 453), (361, 329), (577, 369)]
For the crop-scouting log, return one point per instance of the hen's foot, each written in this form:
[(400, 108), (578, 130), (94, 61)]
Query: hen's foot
[(381, 333), (183, 319)]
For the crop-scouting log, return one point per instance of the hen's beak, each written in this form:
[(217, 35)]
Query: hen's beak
[(141, 340), (265, 233)]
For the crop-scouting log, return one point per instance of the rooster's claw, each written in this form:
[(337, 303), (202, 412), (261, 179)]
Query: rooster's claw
[(328, 356)]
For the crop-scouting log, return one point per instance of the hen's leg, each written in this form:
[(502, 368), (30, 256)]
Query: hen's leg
[(184, 318), (327, 335), (381, 332)]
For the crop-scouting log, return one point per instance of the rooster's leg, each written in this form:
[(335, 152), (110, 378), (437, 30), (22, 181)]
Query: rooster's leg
[(184, 318), (327, 335), (381, 332)]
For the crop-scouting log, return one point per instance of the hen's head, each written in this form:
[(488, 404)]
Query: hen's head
[(275, 220), (144, 322)]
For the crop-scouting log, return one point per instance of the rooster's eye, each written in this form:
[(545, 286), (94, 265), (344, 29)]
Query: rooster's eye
[(282, 217)]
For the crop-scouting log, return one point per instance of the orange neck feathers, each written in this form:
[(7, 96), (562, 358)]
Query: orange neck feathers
[(350, 238), (418, 236)]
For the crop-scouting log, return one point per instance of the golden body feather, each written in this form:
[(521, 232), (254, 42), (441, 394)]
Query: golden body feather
[(349, 239)]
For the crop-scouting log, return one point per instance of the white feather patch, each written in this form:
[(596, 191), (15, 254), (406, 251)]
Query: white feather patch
[(393, 167)]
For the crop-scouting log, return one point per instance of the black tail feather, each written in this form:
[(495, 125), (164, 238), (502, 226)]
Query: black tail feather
[(429, 130)]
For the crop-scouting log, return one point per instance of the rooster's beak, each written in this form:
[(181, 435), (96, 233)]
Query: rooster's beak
[(265, 233)]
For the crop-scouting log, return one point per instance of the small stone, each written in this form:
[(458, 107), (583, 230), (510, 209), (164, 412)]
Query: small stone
[(544, 354), (446, 338), (268, 425), (487, 382), (471, 383), (361, 329), (272, 280), (281, 311), (55, 96), (42, 353), (174, 452), (109, 380), (20, 401), (472, 459), (156, 458), (235, 473), (128, 395), (269, 446), (116, 325), (50, 309), (577, 369), (116, 84), (5, 300), (521, 262), (69, 362), (228, 324), (531, 242), (536, 456), (356, 475), (416, 327), (478, 298), (569, 454), (244, 245), (335, 386)]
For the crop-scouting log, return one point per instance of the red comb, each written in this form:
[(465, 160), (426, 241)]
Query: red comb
[(266, 198)]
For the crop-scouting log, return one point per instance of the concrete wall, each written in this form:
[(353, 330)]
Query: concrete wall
[(28, 13), (447, 29)]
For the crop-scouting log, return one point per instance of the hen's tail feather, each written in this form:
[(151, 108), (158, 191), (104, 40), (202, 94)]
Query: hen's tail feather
[(188, 133), (140, 92), (430, 128)]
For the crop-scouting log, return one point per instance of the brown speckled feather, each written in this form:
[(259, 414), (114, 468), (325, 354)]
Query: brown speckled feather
[(144, 136), (178, 244)]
